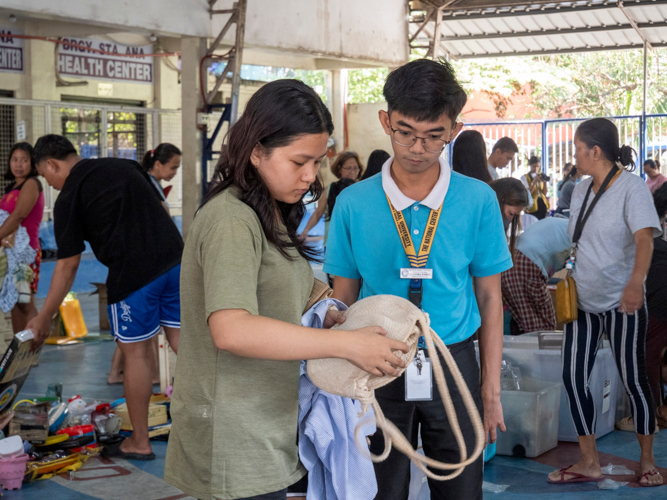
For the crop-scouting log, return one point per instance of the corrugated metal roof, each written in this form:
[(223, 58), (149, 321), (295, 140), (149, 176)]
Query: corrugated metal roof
[(540, 28)]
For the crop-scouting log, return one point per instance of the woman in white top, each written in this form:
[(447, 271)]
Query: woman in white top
[(612, 225)]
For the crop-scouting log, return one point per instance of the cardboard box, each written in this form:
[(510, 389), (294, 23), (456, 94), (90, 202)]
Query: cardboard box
[(157, 415), (104, 316), (31, 422)]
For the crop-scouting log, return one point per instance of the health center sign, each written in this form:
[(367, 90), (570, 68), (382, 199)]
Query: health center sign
[(11, 50), (105, 60)]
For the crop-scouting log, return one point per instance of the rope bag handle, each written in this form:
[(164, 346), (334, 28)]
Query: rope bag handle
[(393, 436)]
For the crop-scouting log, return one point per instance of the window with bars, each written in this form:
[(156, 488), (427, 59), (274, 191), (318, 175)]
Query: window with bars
[(126, 132), (7, 136)]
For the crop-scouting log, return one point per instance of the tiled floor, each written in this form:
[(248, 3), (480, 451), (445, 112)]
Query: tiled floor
[(82, 369)]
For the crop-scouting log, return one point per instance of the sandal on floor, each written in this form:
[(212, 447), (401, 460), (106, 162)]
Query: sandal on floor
[(648, 474), (578, 478), (628, 424), (114, 451)]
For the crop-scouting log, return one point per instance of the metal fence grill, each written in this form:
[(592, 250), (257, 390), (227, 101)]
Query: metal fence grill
[(7, 139), (168, 129), (553, 141), (527, 135), (97, 131), (656, 140)]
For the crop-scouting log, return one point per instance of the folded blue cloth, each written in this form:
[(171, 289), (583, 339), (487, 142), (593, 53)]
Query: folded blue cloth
[(337, 469)]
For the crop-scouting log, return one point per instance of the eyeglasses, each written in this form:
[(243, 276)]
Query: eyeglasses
[(407, 139), (350, 169)]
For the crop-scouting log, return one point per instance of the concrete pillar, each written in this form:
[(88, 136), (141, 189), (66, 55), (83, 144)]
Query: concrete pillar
[(192, 51), (167, 88), (39, 74), (337, 105)]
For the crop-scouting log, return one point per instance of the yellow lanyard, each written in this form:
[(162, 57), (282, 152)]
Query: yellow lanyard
[(416, 259)]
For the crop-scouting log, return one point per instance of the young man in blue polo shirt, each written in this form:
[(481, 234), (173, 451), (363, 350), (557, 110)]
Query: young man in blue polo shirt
[(368, 257)]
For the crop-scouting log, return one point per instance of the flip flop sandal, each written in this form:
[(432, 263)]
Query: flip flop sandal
[(114, 451), (628, 424), (646, 475), (578, 478)]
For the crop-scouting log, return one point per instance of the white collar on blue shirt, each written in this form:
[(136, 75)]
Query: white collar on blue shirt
[(401, 202)]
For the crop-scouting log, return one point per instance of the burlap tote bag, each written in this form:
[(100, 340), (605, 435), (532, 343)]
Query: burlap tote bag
[(405, 322)]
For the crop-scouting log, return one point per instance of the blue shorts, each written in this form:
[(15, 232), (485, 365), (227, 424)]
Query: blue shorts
[(140, 316)]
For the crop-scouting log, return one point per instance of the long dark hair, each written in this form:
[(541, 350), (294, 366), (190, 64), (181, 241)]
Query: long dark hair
[(469, 156), (334, 190), (603, 133), (511, 192), (660, 200), (23, 146), (163, 153), (375, 162), (650, 164), (276, 115), (571, 174)]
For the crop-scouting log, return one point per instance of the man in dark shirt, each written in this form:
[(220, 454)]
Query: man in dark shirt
[(112, 204)]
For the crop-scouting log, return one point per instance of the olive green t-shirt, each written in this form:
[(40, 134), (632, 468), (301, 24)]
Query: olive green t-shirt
[(234, 418)]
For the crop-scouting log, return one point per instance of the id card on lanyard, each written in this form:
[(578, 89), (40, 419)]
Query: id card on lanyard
[(418, 376), (417, 270)]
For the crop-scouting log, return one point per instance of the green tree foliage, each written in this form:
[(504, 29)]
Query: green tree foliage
[(504, 79), (314, 78), (365, 85), (571, 85)]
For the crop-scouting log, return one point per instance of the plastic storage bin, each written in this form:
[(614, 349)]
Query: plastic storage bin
[(603, 386), (530, 416), (12, 471), (546, 364)]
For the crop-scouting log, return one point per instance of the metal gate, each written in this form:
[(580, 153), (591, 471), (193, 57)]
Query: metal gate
[(97, 131)]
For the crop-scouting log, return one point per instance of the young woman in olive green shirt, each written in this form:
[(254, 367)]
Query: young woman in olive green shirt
[(245, 281)]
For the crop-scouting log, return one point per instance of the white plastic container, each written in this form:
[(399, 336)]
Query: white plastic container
[(11, 447), (531, 419), (603, 386), (546, 365)]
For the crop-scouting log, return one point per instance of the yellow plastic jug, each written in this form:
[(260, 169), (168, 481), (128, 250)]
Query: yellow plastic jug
[(70, 312)]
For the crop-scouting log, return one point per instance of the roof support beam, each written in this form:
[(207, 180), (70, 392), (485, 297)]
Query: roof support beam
[(487, 4), (481, 13), (634, 25), (557, 52), (522, 34), (423, 24), (437, 35)]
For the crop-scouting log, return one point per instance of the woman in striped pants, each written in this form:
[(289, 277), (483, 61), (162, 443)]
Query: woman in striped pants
[(612, 224)]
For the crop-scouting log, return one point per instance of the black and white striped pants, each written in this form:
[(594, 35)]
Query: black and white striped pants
[(627, 336)]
